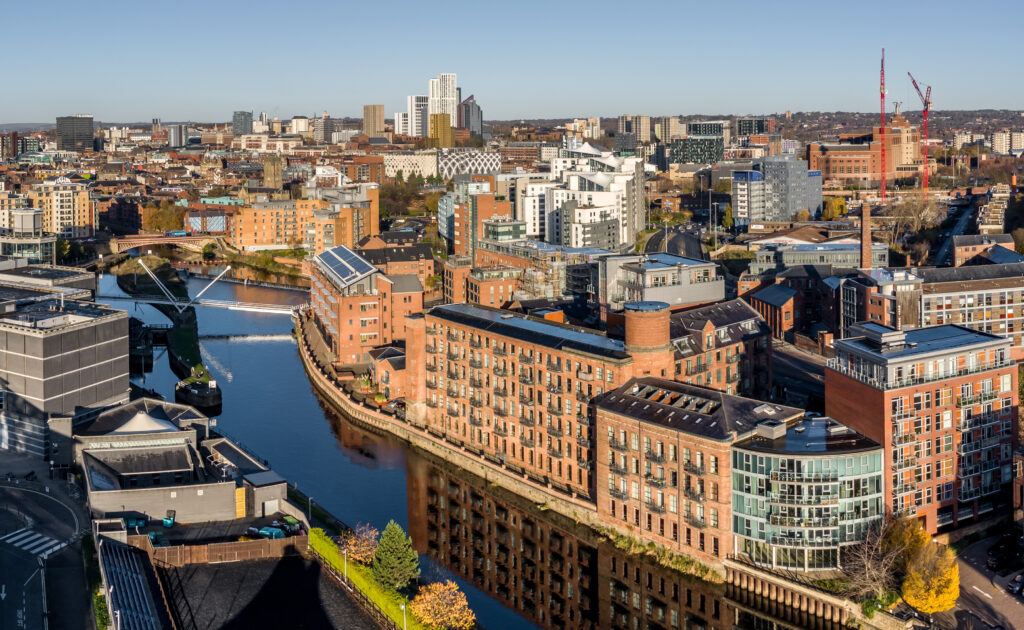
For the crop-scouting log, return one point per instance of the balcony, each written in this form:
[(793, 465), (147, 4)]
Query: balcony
[(976, 469), (527, 422), (432, 385), (797, 541), (453, 393), (527, 442), (904, 488), (475, 381), (526, 400), (476, 364), (555, 389), (475, 344), (905, 463), (780, 498), (554, 431), (794, 521), (453, 356), (432, 350), (476, 421), (698, 369), (554, 452), (822, 477), (584, 376), (654, 507), (499, 431), (501, 392), (433, 404), (618, 446), (582, 396), (617, 469), (476, 402), (656, 482), (655, 457), (693, 469), (553, 367), (899, 439), (583, 464), (452, 336), (500, 371), (618, 494), (499, 352), (980, 397), (894, 383), (526, 379), (733, 358), (583, 420), (978, 445), (433, 331), (981, 421), (732, 378), (694, 495), (525, 359), (432, 367), (498, 411), (694, 521), (453, 375), (555, 411), (583, 442)]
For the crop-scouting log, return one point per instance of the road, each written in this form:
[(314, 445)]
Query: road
[(680, 242), (980, 598), (945, 249), (801, 373), (39, 539)]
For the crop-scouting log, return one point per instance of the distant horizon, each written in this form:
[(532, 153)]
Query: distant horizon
[(214, 57), (935, 113)]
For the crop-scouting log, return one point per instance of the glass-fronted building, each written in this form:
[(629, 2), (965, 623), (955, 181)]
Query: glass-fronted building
[(802, 492)]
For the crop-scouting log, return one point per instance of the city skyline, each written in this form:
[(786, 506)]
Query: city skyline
[(492, 53)]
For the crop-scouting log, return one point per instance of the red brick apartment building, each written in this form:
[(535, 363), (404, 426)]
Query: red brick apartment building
[(663, 461), (516, 389), (355, 307), (942, 401)]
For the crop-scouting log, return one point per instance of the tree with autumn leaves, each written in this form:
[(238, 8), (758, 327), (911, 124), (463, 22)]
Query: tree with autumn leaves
[(442, 606), (932, 583), (360, 543)]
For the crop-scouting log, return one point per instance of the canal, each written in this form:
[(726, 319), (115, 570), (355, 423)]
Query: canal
[(520, 567)]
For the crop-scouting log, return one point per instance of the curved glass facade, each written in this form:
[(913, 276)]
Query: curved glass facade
[(797, 511)]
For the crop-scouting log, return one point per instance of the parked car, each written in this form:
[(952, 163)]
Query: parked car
[(271, 532), (1016, 583)]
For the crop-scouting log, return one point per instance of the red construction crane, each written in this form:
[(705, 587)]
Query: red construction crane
[(926, 101)]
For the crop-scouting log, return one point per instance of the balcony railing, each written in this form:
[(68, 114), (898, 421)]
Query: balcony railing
[(555, 389), (698, 369), (618, 446), (694, 469), (499, 431), (526, 400), (813, 477), (476, 402), (527, 422), (432, 331), (476, 422), (500, 391), (899, 439), (582, 396), (525, 359), (476, 364), (618, 494), (432, 368), (905, 463), (453, 356), (583, 464), (981, 420), (553, 367), (452, 336), (732, 378), (432, 385), (475, 382), (526, 379), (475, 343), (654, 507), (499, 352), (782, 498), (555, 411), (887, 383), (654, 456), (584, 376), (977, 445), (527, 442), (694, 495), (500, 371), (617, 469), (583, 420), (432, 350), (793, 541), (976, 469), (733, 358), (657, 482), (694, 521), (795, 521), (974, 399), (554, 452), (553, 430), (583, 442), (498, 411)]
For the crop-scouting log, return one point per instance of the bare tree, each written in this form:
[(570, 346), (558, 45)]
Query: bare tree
[(875, 566)]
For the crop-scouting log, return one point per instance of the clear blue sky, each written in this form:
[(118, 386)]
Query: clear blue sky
[(132, 61)]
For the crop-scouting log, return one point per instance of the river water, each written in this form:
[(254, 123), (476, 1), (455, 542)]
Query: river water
[(270, 407)]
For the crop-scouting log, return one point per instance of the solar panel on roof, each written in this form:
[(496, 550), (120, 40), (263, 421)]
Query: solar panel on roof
[(344, 264)]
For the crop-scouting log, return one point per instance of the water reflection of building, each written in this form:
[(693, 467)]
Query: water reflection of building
[(560, 575)]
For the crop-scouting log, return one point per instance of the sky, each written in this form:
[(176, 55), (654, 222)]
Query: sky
[(199, 61)]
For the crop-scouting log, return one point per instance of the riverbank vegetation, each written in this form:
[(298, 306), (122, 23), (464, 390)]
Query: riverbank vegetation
[(660, 554)]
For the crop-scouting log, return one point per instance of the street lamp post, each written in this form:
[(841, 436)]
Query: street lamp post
[(346, 565), (405, 625), (309, 510)]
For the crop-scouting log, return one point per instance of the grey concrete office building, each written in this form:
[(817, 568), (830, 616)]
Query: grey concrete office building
[(59, 359), (74, 133), (789, 187), (678, 281), (241, 123), (773, 259)]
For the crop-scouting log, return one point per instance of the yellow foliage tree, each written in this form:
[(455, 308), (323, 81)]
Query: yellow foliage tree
[(803, 215), (835, 207), (443, 606), (932, 583)]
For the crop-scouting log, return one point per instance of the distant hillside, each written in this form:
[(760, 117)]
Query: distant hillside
[(25, 127)]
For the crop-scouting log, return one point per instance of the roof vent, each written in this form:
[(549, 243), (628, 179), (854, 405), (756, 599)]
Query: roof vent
[(771, 429)]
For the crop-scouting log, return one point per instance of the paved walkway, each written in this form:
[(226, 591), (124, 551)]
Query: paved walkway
[(984, 603)]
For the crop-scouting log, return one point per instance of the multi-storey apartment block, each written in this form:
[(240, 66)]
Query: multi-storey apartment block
[(942, 401), (67, 210)]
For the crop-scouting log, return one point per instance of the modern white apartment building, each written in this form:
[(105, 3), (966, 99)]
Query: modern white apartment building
[(531, 205), (443, 96), (415, 118), (1001, 142)]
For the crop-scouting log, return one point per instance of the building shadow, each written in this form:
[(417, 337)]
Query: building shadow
[(289, 598)]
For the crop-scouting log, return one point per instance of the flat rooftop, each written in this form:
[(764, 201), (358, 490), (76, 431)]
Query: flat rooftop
[(46, 272), (529, 330), (690, 409), (889, 344), (666, 261), (816, 436), (54, 313)]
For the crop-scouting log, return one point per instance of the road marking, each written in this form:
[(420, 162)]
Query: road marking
[(13, 534), (30, 577), (982, 592)]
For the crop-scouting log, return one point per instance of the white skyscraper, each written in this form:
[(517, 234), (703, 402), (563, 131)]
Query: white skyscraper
[(402, 123), (416, 114), (443, 97)]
